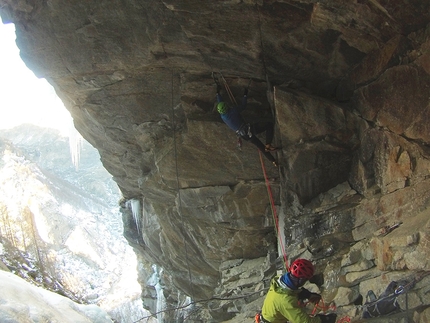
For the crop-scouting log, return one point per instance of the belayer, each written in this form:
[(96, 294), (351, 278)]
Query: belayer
[(281, 304), (233, 119)]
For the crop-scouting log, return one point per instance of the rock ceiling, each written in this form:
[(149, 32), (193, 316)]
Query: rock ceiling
[(348, 83)]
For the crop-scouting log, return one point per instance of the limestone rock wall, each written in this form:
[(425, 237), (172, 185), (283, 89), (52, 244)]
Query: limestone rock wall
[(346, 83)]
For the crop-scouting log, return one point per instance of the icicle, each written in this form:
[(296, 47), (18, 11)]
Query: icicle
[(184, 308), (75, 145), (161, 300), (281, 242), (134, 204)]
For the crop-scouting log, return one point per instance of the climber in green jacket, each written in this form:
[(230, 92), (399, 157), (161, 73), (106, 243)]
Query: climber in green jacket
[(281, 304)]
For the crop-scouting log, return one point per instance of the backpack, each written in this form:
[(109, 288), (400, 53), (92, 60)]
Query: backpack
[(386, 303)]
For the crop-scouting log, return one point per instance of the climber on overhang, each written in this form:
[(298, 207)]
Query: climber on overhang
[(233, 119), (281, 304)]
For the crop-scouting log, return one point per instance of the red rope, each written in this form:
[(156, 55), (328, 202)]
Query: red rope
[(227, 88), (322, 307), (272, 204)]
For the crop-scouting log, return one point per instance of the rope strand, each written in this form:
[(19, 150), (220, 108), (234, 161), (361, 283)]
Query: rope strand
[(323, 307), (179, 191), (203, 301), (227, 88), (272, 205)]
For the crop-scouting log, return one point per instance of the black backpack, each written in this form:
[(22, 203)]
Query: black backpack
[(386, 303)]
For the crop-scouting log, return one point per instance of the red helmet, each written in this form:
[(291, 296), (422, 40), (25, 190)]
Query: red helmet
[(302, 268)]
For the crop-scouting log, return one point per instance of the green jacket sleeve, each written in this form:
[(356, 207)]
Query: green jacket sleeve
[(296, 314)]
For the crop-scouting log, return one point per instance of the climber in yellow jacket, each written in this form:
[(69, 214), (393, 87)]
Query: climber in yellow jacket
[(281, 304)]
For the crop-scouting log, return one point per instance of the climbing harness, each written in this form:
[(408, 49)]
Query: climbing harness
[(244, 131), (259, 318), (275, 216)]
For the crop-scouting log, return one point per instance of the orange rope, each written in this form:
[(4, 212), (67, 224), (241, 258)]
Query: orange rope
[(227, 88), (322, 307), (272, 205)]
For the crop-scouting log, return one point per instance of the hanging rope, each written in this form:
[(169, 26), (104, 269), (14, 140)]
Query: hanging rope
[(178, 190), (270, 96), (261, 40), (275, 216), (227, 88), (245, 296)]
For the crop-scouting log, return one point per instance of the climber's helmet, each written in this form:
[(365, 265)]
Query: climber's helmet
[(222, 108), (301, 270)]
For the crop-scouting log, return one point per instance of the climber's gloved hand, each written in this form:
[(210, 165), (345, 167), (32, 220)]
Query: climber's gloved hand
[(311, 297), (245, 92), (329, 318), (304, 294), (314, 298), (218, 88)]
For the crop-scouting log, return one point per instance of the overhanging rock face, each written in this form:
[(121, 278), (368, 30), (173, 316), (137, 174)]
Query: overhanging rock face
[(348, 84)]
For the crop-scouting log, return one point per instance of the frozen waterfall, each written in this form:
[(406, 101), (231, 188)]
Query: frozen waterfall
[(161, 300), (75, 145)]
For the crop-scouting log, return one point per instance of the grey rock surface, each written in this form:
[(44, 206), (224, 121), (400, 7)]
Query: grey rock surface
[(346, 83)]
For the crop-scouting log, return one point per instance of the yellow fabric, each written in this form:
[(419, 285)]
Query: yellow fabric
[(281, 306)]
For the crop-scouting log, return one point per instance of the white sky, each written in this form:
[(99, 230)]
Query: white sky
[(23, 97)]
